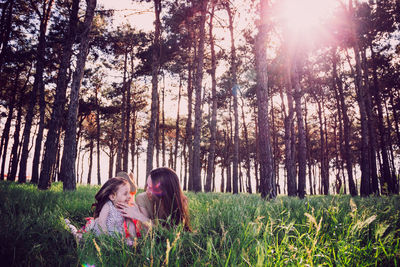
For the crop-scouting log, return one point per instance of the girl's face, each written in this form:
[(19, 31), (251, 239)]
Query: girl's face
[(122, 195)]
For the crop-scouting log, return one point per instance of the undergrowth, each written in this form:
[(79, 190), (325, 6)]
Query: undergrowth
[(228, 230)]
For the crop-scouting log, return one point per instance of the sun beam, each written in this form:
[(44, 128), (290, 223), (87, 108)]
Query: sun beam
[(304, 16)]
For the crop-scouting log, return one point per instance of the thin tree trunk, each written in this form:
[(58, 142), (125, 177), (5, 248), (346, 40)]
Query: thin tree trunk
[(89, 177), (120, 149), (98, 136), (361, 97), (290, 152), (371, 126), (154, 82), (38, 83), (6, 28), (338, 145), (213, 123), (386, 176), (302, 151), (6, 131), (235, 89), (177, 129), (267, 184), (196, 173), (347, 153), (14, 150), (308, 148), (248, 161), (67, 170)]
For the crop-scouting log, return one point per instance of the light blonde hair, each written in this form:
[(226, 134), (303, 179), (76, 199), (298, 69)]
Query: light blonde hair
[(129, 177)]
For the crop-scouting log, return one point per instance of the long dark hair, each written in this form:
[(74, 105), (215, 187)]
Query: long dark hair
[(109, 188), (171, 202)]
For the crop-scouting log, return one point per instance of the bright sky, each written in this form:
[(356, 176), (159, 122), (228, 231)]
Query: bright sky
[(140, 15)]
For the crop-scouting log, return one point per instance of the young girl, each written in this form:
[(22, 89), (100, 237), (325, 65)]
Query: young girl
[(107, 219)]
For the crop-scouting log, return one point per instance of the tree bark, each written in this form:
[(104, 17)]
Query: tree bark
[(68, 171), (267, 185), (302, 151), (6, 28), (347, 153), (38, 83), (361, 99), (213, 123), (196, 174), (14, 150), (7, 126), (177, 127), (289, 137), (235, 89), (386, 175), (154, 82)]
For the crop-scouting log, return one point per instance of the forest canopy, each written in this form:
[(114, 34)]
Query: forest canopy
[(271, 97)]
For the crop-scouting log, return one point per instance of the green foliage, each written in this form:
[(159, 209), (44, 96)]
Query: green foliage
[(229, 230)]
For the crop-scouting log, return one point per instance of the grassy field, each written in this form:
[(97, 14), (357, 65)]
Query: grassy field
[(229, 230)]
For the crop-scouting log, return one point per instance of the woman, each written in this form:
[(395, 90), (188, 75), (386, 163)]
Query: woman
[(163, 201)]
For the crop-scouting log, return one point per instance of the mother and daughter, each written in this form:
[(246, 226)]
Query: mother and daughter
[(116, 213)]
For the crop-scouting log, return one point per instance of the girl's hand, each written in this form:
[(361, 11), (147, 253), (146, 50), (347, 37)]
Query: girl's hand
[(128, 211)]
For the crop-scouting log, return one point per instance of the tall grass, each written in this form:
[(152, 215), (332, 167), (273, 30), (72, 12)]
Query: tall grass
[(229, 230)]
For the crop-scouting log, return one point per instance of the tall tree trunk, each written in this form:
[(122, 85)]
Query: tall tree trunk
[(189, 132), (347, 153), (163, 122), (386, 176), (157, 135), (38, 83), (275, 145), (392, 158), (371, 126), (308, 148), (67, 170), (257, 155), (228, 155), (247, 154), (267, 184), (196, 174), (338, 145), (290, 163), (154, 83), (302, 151), (177, 129), (133, 139), (14, 150), (235, 89), (326, 158), (213, 123), (128, 121), (98, 136), (6, 27), (324, 178), (6, 131), (361, 98), (121, 142), (89, 177)]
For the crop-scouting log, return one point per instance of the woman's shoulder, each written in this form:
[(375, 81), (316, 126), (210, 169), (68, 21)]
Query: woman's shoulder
[(142, 199)]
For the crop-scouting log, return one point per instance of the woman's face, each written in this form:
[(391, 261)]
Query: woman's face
[(153, 189)]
